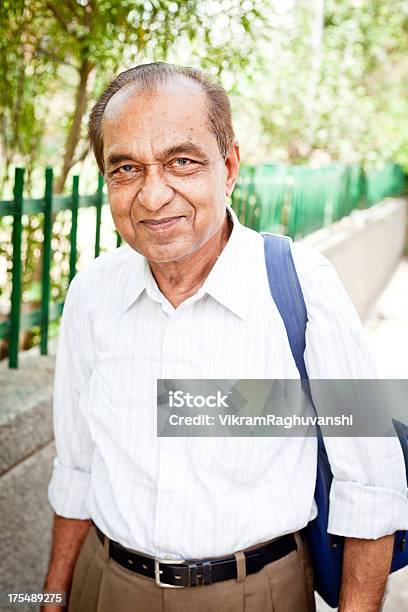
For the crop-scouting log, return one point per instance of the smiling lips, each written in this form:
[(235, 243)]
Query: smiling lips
[(161, 223)]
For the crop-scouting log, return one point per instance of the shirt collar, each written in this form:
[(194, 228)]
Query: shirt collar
[(137, 277), (229, 281)]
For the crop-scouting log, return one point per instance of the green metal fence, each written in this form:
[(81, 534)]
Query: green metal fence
[(47, 206), (297, 200), (293, 200), (388, 179)]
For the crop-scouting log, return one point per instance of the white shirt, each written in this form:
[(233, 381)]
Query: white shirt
[(205, 497)]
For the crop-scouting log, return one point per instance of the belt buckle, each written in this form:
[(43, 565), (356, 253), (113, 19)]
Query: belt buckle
[(158, 571)]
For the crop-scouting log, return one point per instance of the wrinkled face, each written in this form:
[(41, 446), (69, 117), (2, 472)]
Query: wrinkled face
[(167, 181)]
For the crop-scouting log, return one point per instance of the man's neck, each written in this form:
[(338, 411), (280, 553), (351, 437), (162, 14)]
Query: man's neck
[(178, 280)]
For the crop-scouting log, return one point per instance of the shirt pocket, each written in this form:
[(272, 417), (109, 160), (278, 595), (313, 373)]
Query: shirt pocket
[(119, 406)]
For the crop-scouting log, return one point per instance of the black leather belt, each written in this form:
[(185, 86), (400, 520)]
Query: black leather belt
[(196, 572)]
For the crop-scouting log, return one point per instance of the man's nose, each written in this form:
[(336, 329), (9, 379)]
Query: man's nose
[(154, 192)]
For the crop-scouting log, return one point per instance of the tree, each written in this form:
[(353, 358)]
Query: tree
[(24, 79), (86, 41), (355, 110), (57, 56)]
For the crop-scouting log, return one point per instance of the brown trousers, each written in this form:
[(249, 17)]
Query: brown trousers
[(102, 585)]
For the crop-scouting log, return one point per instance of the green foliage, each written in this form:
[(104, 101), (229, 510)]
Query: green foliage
[(57, 56), (297, 97), (338, 97), (24, 79)]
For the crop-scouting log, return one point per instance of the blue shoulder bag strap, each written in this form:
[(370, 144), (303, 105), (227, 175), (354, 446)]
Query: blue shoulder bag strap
[(326, 550)]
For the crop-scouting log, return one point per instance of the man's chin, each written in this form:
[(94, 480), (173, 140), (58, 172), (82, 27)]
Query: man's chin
[(166, 253)]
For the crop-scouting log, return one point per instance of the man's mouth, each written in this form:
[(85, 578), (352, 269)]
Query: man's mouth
[(158, 224)]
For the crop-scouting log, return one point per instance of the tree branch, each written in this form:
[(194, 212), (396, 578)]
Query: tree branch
[(74, 131), (57, 59), (74, 6), (80, 157), (61, 20)]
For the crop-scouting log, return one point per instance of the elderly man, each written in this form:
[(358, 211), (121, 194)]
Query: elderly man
[(187, 297)]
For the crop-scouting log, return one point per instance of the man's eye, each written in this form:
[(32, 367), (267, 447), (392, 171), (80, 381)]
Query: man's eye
[(126, 168), (182, 162)]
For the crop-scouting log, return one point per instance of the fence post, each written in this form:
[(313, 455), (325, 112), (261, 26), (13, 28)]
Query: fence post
[(16, 273), (74, 227), (46, 280), (99, 199), (250, 194)]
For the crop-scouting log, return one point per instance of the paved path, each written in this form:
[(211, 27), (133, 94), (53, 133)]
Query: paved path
[(387, 334), (387, 330)]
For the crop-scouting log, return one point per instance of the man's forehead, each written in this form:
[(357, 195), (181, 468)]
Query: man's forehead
[(176, 90), (174, 113)]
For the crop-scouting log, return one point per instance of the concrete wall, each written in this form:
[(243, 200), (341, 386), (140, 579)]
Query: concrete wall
[(365, 249)]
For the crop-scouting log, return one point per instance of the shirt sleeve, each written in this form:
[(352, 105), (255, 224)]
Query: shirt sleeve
[(69, 484), (369, 496)]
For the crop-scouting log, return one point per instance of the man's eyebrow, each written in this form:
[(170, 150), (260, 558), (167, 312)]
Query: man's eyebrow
[(117, 158), (184, 148)]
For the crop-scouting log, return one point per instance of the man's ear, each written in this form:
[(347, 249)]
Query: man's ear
[(232, 166)]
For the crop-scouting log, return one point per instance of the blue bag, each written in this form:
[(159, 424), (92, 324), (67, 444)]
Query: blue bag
[(326, 550)]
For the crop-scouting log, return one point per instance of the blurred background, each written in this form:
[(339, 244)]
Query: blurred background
[(319, 96)]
